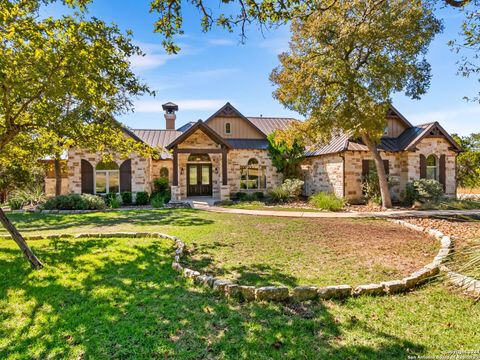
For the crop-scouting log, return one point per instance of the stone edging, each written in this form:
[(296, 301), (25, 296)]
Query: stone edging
[(299, 293)]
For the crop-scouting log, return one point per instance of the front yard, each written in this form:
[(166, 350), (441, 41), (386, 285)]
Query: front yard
[(119, 298)]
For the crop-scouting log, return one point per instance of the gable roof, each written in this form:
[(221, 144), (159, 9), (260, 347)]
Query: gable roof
[(268, 125), (199, 125), (156, 138)]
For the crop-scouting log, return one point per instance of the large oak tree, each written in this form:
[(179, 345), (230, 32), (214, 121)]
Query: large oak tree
[(344, 64)]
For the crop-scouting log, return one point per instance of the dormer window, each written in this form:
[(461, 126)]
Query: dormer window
[(385, 131), (228, 128)]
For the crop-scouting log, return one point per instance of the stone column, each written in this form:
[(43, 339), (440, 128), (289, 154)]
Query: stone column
[(224, 192), (176, 196)]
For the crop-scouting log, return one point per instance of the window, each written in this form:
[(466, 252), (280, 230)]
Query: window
[(228, 128), (107, 178), (252, 176), (164, 172), (199, 158), (432, 169)]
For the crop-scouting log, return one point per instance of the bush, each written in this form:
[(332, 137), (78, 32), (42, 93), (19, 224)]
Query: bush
[(160, 185), (15, 203), (31, 197), (289, 190), (258, 195), (422, 190), (371, 188), (157, 201), (126, 198), (142, 198), (327, 201), (113, 200), (241, 196), (75, 202)]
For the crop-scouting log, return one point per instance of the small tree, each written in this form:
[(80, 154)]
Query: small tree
[(344, 64), (468, 162), (286, 150)]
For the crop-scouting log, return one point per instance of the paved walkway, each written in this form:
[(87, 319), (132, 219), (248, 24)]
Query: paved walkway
[(328, 214)]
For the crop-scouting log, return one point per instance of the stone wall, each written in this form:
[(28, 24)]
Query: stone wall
[(140, 170), (50, 185), (238, 158), (323, 174), (198, 140), (397, 163), (157, 165)]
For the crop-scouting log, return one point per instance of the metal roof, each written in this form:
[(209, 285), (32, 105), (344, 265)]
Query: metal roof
[(255, 144), (267, 125), (157, 138)]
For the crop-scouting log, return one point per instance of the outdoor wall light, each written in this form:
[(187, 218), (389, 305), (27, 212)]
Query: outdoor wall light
[(181, 171), (216, 170)]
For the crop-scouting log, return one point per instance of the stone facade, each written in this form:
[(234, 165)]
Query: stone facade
[(324, 174), (140, 170), (50, 185)]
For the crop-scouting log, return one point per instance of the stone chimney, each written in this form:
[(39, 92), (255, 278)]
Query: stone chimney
[(170, 116)]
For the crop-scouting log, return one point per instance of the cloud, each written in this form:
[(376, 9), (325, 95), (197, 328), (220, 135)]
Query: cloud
[(155, 55), (276, 45), (221, 42), (212, 72), (155, 106), (148, 61)]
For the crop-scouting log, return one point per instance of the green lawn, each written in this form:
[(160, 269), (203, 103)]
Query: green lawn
[(119, 299)]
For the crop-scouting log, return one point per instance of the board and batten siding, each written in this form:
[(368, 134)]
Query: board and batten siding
[(240, 128), (395, 127)]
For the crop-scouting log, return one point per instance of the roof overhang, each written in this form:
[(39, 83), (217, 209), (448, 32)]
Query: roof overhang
[(434, 127)]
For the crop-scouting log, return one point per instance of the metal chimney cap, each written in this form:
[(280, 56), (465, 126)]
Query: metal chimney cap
[(169, 106)]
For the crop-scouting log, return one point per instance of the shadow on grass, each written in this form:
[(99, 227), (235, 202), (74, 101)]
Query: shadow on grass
[(120, 299), (173, 217)]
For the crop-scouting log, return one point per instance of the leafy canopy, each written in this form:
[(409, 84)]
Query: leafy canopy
[(468, 162), (62, 80), (286, 152), (344, 64)]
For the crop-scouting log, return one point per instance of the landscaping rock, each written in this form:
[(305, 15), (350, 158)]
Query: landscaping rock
[(394, 286), (232, 291), (338, 292), (368, 289), (303, 293), (247, 292), (219, 285), (434, 232), (32, 237), (271, 293), (446, 242), (176, 266), (422, 275)]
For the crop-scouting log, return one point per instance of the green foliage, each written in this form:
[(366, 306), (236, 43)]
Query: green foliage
[(160, 185), (75, 202), (18, 174), (113, 200), (157, 201), (141, 198), (327, 201), (126, 197), (288, 191), (468, 162), (286, 152), (243, 196), (31, 196), (422, 190), (15, 203)]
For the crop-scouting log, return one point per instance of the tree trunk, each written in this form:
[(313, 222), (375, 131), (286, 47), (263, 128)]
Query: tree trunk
[(58, 177), (382, 176), (18, 238)]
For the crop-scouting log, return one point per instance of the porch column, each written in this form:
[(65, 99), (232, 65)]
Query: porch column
[(224, 166), (175, 167)]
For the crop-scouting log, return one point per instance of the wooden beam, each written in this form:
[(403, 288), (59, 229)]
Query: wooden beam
[(199, 151), (224, 167), (175, 167)]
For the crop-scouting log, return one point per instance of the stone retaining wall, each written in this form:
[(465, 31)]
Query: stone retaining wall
[(303, 292)]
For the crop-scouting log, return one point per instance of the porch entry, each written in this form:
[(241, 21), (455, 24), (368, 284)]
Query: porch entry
[(199, 179)]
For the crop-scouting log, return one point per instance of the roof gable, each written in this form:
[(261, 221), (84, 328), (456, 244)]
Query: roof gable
[(432, 129), (199, 125), (228, 110)]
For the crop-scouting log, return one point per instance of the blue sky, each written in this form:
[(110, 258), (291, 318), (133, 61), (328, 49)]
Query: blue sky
[(214, 68)]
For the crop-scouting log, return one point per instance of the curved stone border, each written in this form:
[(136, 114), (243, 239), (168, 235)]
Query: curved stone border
[(282, 293)]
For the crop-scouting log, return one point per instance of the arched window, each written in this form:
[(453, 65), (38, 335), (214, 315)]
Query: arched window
[(228, 128), (107, 177), (252, 176), (432, 167), (199, 158), (164, 172)]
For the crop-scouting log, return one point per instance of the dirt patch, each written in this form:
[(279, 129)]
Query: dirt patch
[(459, 227)]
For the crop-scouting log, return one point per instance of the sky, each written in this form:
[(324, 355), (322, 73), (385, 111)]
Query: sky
[(213, 68)]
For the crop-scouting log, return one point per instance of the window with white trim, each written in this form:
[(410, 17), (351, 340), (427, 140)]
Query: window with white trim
[(252, 176), (228, 128), (107, 177), (432, 167)]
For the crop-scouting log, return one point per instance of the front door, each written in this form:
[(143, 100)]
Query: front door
[(199, 180)]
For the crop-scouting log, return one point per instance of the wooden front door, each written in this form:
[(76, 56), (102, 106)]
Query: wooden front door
[(199, 180)]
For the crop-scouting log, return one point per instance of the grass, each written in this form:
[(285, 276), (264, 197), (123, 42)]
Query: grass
[(119, 299), (266, 251), (327, 201), (259, 205), (452, 204)]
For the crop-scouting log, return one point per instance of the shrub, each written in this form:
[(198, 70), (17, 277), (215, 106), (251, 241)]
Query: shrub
[(113, 200), (15, 203), (241, 196), (157, 201), (75, 202), (422, 190), (141, 198), (289, 190), (371, 188), (258, 195), (126, 198), (160, 185), (327, 201), (31, 197)]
